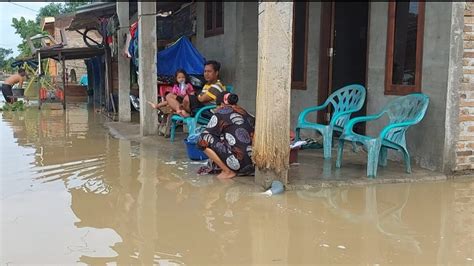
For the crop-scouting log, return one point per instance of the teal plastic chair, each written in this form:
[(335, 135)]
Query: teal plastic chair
[(344, 101), (402, 113), (194, 121)]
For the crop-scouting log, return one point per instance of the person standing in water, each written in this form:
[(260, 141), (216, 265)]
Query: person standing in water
[(8, 84)]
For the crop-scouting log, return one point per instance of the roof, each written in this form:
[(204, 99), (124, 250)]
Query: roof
[(69, 53), (46, 20), (86, 15)]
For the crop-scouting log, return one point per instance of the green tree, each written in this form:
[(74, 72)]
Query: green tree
[(28, 28), (50, 10), (71, 6), (6, 59), (25, 28)]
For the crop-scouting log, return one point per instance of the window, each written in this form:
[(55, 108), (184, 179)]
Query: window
[(404, 47), (300, 45), (214, 18)]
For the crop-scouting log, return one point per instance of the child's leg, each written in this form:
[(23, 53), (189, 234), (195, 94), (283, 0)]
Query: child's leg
[(162, 104)]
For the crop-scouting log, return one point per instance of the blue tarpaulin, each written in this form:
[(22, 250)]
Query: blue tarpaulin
[(182, 54)]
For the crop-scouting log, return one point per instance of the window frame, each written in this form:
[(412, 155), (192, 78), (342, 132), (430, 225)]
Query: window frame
[(397, 89), (214, 30), (300, 85)]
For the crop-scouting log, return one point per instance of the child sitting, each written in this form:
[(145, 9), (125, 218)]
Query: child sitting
[(181, 88)]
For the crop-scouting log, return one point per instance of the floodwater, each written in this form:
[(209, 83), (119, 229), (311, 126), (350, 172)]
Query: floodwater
[(72, 194)]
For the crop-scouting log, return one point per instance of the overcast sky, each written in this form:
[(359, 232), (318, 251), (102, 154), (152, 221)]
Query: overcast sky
[(9, 10)]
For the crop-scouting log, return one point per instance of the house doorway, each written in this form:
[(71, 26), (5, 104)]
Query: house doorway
[(343, 50)]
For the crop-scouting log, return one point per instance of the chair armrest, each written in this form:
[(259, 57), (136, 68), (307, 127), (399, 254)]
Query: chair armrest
[(336, 116), (305, 112), (350, 124), (199, 112), (390, 127)]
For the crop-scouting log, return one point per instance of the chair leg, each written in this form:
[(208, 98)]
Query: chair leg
[(191, 127), (172, 130), (383, 157), (354, 146), (340, 151), (373, 158), (406, 156), (327, 140), (297, 134)]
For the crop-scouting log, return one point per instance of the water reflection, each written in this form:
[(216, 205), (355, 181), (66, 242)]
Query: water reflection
[(160, 212)]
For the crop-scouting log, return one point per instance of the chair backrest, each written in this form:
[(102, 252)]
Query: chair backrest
[(229, 88), (409, 108), (349, 98), (406, 109)]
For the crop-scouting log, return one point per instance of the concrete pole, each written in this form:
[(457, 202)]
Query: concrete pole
[(147, 67), (123, 64), (272, 133)]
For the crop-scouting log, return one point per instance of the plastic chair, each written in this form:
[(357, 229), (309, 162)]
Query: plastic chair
[(193, 122), (402, 112), (345, 101)]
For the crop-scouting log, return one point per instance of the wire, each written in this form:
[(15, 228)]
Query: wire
[(24, 7)]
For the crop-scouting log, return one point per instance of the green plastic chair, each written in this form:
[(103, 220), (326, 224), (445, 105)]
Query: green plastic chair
[(402, 112), (344, 101), (194, 121)]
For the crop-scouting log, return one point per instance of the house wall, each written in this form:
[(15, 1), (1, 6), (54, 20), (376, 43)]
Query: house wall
[(465, 138), (425, 140), (301, 99), (236, 49), (220, 47)]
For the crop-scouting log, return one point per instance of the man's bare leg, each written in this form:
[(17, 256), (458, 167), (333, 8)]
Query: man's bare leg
[(172, 102), (226, 172), (186, 104), (175, 105)]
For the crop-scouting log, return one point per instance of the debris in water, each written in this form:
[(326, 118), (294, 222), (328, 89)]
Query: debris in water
[(469, 259), (341, 247), (324, 245), (172, 162), (205, 162), (276, 188)]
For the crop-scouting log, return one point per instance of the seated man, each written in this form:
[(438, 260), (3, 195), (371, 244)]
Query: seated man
[(209, 94)]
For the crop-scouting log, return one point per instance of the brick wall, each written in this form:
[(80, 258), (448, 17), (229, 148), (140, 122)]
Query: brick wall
[(465, 145)]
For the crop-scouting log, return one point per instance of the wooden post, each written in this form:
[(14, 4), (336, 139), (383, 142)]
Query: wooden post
[(64, 80), (108, 77), (40, 101), (123, 64), (272, 133), (147, 67)]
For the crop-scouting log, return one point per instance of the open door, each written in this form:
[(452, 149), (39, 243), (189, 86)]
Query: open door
[(343, 50)]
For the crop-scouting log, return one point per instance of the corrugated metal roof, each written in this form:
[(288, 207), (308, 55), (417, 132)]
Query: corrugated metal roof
[(69, 53), (86, 16)]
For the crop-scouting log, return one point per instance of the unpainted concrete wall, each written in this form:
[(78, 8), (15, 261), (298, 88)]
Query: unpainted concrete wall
[(221, 47), (236, 49), (425, 140)]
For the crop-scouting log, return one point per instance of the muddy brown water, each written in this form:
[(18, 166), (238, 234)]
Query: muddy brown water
[(72, 194)]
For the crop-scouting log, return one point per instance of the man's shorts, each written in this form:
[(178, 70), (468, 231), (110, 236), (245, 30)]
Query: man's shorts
[(7, 92), (194, 104)]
